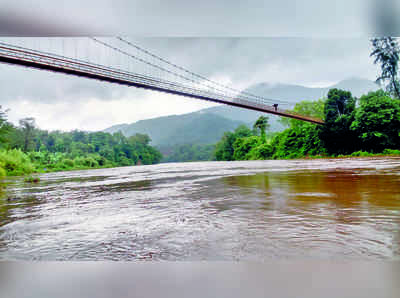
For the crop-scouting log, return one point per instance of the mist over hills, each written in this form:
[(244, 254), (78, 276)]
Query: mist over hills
[(191, 128), (208, 125), (291, 94)]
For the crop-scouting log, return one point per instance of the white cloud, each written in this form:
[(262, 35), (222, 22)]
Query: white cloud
[(95, 114)]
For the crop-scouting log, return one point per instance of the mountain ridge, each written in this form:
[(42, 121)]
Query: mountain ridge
[(228, 117)]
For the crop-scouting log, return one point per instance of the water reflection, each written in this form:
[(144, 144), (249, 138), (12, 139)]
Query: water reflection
[(16, 204), (344, 189), (337, 201)]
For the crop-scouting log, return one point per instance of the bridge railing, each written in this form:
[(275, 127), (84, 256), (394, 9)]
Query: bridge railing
[(42, 60)]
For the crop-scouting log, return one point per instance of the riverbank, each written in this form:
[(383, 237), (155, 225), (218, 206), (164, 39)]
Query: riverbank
[(358, 154), (17, 163), (354, 155)]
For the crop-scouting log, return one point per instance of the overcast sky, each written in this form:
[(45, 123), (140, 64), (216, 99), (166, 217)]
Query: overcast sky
[(338, 18), (336, 47), (64, 102)]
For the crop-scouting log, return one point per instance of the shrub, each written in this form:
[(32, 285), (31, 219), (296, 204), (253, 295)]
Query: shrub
[(31, 179), (377, 122), (101, 161), (262, 151), (391, 152), (15, 162), (124, 161), (90, 162), (79, 161), (242, 146), (69, 163), (3, 172), (361, 153)]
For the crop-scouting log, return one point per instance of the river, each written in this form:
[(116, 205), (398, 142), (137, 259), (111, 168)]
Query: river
[(247, 211)]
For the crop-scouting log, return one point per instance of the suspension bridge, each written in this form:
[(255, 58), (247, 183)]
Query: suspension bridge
[(118, 60)]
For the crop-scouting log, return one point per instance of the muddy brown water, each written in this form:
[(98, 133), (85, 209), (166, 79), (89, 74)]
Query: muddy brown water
[(248, 211)]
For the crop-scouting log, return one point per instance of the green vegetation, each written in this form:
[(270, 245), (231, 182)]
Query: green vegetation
[(193, 128), (353, 127), (336, 134), (207, 126), (190, 137), (224, 149), (31, 179), (15, 162), (187, 152), (26, 149), (261, 124), (377, 122)]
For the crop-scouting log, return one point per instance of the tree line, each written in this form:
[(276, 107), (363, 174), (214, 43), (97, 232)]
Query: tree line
[(368, 125), (25, 148)]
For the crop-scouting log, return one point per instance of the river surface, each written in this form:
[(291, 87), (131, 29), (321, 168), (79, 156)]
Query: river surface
[(247, 211)]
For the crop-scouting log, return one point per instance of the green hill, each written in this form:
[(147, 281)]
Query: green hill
[(290, 93), (208, 125), (192, 128)]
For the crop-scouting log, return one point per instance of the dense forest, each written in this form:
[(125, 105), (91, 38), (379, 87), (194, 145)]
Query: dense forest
[(192, 128), (26, 149), (357, 127), (187, 152)]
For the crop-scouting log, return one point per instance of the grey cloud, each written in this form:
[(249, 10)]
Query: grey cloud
[(243, 18), (205, 18), (244, 60), (48, 87), (241, 57)]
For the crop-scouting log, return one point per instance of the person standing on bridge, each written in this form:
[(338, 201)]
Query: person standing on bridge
[(276, 107)]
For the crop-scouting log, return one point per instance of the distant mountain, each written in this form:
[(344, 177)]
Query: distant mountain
[(356, 86), (208, 125), (192, 128), (291, 94), (296, 93)]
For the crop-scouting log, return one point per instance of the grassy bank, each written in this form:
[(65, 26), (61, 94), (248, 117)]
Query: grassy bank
[(14, 163), (17, 163), (385, 153)]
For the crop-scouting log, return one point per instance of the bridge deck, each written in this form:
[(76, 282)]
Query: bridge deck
[(60, 64)]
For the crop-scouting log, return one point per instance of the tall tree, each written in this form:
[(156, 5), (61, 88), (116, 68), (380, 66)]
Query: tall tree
[(262, 125), (4, 127), (305, 108), (224, 148), (28, 131), (339, 111), (386, 52), (377, 122)]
